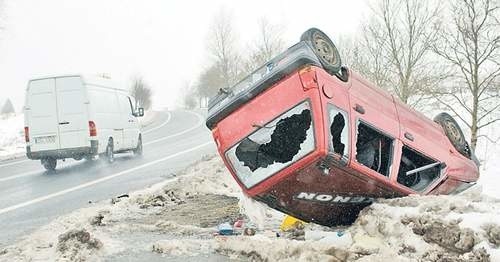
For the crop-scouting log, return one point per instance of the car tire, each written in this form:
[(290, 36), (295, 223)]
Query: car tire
[(110, 154), (138, 149), (49, 164), (324, 49), (454, 133)]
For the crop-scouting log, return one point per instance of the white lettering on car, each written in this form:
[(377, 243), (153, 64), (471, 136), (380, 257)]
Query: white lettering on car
[(316, 197)]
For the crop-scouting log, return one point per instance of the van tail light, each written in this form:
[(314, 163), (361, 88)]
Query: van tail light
[(26, 134), (92, 128), (308, 78)]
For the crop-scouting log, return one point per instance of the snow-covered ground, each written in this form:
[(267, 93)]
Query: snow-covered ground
[(178, 219), (12, 136)]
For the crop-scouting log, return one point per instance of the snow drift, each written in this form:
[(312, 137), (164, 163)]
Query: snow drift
[(178, 218)]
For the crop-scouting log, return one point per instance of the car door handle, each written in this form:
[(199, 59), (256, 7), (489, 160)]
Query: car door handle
[(359, 109), (64, 123)]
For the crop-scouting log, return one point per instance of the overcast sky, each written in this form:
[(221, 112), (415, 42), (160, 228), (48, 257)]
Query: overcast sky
[(164, 41)]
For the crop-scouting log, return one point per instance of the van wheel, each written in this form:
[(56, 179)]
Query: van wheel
[(138, 149), (49, 164), (324, 49), (454, 133), (110, 155)]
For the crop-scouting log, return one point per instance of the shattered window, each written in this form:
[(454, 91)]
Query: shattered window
[(274, 146), (373, 149), (417, 171), (339, 133)]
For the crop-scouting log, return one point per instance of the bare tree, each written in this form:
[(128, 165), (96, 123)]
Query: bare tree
[(209, 82), (142, 93), (222, 46), (471, 46), (398, 40), (269, 44)]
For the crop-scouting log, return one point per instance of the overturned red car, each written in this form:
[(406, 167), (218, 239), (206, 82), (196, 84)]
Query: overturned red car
[(315, 140)]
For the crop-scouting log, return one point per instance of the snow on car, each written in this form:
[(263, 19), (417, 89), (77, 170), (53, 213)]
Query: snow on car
[(313, 139)]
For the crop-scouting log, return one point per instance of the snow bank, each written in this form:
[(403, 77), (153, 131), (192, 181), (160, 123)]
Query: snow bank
[(12, 136), (178, 218)]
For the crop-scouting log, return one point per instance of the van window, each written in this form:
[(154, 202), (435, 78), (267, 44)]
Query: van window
[(339, 133), (417, 171), (131, 104), (125, 104), (374, 149)]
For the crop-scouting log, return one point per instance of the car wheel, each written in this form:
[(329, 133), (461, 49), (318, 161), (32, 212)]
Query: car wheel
[(49, 164), (454, 133), (110, 155), (324, 49), (138, 149)]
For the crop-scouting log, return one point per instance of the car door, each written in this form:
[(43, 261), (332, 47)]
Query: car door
[(72, 113), (130, 131), (41, 115)]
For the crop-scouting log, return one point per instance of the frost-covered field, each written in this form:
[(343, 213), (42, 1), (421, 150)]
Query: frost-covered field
[(178, 219), (11, 136)]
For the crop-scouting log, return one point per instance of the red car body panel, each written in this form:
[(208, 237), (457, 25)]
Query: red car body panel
[(306, 191)]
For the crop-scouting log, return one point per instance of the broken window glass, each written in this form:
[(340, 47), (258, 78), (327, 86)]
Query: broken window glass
[(373, 149), (274, 146), (339, 132), (417, 171)]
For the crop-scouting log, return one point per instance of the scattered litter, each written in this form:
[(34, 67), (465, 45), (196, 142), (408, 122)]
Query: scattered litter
[(96, 220), (225, 229)]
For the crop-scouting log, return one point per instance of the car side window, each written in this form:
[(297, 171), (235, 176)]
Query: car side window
[(339, 133), (374, 149), (417, 171)]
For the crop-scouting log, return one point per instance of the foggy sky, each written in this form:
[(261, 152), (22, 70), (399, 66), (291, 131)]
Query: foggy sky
[(164, 41)]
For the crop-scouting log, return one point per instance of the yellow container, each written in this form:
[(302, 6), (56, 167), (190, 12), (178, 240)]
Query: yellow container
[(290, 222)]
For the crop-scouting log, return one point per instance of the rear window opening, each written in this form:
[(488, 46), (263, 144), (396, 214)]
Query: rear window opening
[(417, 171), (274, 146), (373, 149)]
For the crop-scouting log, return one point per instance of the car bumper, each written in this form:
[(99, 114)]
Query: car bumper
[(64, 153), (260, 80)]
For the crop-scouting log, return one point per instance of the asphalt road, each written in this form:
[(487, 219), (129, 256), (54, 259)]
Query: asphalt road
[(31, 197)]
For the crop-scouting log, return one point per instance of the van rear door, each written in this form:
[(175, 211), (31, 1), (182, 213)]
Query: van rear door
[(41, 115), (72, 112)]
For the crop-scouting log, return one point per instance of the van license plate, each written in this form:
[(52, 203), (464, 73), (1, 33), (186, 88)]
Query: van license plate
[(45, 139)]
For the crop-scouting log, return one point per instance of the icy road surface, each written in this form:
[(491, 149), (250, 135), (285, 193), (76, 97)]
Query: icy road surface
[(30, 197)]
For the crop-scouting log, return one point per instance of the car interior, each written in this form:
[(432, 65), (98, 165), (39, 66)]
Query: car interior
[(417, 171), (373, 149)]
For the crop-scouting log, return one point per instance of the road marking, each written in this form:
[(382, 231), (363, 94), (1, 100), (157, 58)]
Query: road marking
[(160, 126), (198, 124), (200, 120), (91, 183), (21, 175), (16, 162)]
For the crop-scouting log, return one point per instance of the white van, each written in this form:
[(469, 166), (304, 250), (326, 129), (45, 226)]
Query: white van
[(75, 116)]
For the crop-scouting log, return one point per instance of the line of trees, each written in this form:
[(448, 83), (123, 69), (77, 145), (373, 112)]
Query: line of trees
[(420, 51), (228, 62)]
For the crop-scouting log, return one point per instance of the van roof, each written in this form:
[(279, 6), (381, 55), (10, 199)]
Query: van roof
[(87, 79)]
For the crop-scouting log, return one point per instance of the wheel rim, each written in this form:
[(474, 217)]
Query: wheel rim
[(323, 48), (454, 132)]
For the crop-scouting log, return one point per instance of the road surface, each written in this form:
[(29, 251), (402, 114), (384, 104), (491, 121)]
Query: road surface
[(30, 197)]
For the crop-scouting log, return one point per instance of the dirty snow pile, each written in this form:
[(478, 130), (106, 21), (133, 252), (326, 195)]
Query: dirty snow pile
[(178, 219), (11, 136)]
